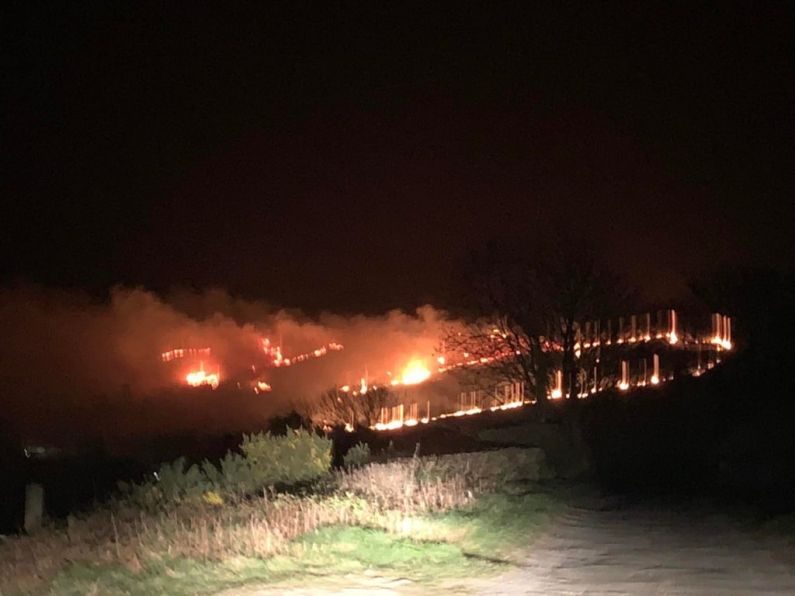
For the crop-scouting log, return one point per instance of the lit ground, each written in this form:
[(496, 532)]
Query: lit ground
[(603, 549)]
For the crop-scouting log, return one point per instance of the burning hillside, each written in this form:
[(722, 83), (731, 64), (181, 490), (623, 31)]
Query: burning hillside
[(64, 348), (138, 343)]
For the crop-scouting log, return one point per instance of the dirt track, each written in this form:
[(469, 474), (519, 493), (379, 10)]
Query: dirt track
[(643, 550), (620, 550)]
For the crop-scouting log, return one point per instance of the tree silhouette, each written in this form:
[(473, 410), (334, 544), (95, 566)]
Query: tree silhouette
[(526, 310)]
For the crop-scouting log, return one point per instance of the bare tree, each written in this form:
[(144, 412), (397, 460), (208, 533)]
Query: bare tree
[(337, 408), (528, 307)]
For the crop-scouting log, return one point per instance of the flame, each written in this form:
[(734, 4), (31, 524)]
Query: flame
[(556, 391), (469, 412), (178, 353), (277, 358), (197, 378), (262, 387), (415, 372)]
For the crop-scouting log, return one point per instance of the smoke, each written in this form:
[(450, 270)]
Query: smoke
[(66, 359)]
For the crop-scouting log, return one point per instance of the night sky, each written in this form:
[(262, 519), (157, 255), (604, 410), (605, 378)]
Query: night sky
[(347, 155)]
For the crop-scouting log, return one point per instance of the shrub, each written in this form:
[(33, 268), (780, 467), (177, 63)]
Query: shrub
[(234, 475), (298, 456), (178, 482), (173, 483), (357, 456), (267, 461)]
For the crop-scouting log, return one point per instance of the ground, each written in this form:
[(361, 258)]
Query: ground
[(608, 546)]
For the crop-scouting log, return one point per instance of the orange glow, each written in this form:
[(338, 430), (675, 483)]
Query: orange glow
[(669, 330), (197, 378), (178, 353), (722, 342), (624, 384), (557, 390), (673, 337), (415, 372), (261, 387), (278, 359), (508, 406)]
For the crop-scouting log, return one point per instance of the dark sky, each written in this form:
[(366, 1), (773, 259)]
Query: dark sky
[(346, 155)]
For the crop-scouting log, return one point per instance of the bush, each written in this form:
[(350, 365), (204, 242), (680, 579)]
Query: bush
[(357, 456), (299, 456), (267, 461), (177, 481), (174, 482), (234, 475)]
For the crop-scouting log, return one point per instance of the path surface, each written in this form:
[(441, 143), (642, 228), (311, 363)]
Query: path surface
[(643, 550), (616, 550)]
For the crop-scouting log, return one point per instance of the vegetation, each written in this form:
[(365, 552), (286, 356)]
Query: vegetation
[(299, 456), (526, 297), (189, 541), (266, 461), (357, 456), (478, 539), (336, 407), (430, 550)]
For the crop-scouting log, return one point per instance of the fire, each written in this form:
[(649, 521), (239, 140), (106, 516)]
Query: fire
[(557, 389), (415, 372), (277, 358), (262, 387), (197, 378), (178, 353)]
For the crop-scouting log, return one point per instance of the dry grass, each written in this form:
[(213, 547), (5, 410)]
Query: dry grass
[(379, 496)]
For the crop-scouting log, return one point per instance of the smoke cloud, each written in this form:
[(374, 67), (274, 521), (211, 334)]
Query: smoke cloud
[(67, 361)]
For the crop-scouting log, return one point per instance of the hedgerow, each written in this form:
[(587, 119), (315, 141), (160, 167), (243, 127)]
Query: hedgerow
[(266, 461)]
